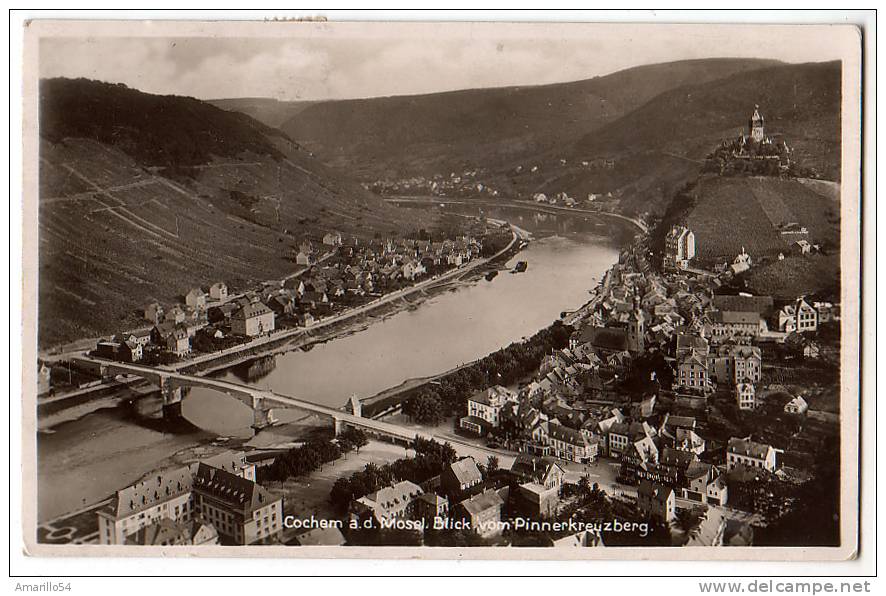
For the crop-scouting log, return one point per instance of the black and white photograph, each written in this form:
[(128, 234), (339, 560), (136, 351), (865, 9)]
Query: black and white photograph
[(441, 289)]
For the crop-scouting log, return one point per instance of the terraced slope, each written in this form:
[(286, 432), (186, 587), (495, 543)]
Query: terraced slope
[(132, 210)]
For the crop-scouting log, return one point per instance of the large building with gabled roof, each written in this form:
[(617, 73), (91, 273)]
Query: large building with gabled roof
[(228, 500)]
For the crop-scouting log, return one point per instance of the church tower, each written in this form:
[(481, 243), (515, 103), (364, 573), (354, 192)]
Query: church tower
[(755, 125), (636, 332)]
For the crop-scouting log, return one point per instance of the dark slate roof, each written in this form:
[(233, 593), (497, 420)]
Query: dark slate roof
[(236, 492), (761, 305), (151, 490), (654, 491), (480, 503), (321, 537), (466, 471), (748, 448)]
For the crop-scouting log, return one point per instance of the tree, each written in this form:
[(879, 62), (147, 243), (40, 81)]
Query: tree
[(352, 438), (491, 465), (425, 408), (584, 484)]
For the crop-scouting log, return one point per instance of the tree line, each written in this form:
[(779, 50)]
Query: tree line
[(431, 458), (311, 456), (507, 366)]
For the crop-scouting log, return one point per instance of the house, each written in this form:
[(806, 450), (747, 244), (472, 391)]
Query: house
[(762, 305), (657, 502), (729, 324), (484, 409), (580, 539), (140, 336), (640, 461), (154, 313), (705, 484), (617, 436), (672, 423), (692, 373), (282, 305), (746, 395), (233, 462), (679, 247), (166, 532), (411, 269), (482, 512), (688, 343), (218, 291), (544, 471), (252, 320), (176, 315), (302, 258), (460, 476), (241, 510), (604, 340), (196, 298), (431, 507), (332, 239), (178, 341), (710, 531), (536, 501), (44, 379), (797, 405), (686, 439), (672, 467), (744, 452), (158, 495), (386, 504), (745, 363), (121, 351), (571, 445), (739, 316), (799, 316), (329, 536)]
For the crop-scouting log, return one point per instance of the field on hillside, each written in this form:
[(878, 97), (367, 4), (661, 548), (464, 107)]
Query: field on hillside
[(797, 276), (114, 236), (735, 213)]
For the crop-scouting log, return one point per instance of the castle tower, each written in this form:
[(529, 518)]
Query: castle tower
[(755, 125)]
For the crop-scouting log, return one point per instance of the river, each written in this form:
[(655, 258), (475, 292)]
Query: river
[(88, 458)]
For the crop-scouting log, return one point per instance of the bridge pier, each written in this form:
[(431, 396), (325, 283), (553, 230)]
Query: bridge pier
[(172, 399), (262, 415), (338, 426)]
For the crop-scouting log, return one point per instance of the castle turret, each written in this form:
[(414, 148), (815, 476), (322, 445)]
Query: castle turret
[(755, 125)]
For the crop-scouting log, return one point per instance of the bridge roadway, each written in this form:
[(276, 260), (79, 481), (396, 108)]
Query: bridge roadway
[(256, 398)]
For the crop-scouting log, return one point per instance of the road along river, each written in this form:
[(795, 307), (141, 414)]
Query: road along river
[(84, 460)]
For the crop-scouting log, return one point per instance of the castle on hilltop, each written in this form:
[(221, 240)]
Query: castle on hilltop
[(753, 153)]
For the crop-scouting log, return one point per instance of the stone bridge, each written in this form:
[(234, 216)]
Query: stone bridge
[(261, 401)]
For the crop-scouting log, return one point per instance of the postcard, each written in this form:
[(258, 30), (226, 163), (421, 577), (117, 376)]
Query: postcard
[(441, 290)]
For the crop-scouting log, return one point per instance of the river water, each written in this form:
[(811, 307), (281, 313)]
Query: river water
[(87, 459)]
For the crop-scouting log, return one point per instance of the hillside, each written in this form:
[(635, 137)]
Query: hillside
[(145, 196), (272, 112), (731, 214), (656, 148), (426, 134), (758, 209)]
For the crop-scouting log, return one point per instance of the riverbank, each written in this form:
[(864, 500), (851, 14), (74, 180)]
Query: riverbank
[(431, 331), (346, 323)]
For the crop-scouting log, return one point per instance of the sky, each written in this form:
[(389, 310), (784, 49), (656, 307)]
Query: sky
[(301, 61)]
